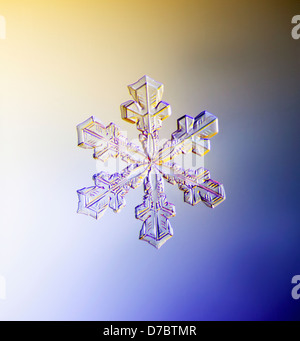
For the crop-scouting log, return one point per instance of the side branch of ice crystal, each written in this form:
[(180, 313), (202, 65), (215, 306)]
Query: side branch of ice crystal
[(149, 163)]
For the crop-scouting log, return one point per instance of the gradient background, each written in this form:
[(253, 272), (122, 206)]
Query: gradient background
[(65, 60)]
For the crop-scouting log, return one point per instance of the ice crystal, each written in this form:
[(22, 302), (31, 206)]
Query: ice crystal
[(149, 163)]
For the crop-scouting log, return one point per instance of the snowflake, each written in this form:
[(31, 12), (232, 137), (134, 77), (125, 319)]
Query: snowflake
[(150, 162)]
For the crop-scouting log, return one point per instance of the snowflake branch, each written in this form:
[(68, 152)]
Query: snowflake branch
[(196, 184), (154, 212), (192, 135), (109, 191), (107, 142)]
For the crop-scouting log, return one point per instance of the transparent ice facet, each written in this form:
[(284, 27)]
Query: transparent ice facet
[(150, 164), (154, 212)]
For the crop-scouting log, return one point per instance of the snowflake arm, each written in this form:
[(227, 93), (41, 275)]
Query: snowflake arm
[(196, 184), (155, 212), (146, 110), (109, 191), (107, 142), (192, 135)]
